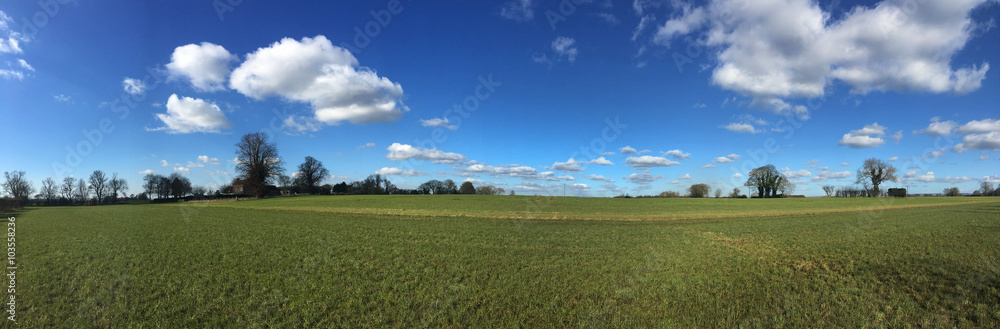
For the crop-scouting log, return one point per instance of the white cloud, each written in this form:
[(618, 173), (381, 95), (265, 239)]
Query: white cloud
[(826, 175), (983, 157), (10, 46), (188, 115), (164, 163), (580, 187), (300, 125), (400, 152), (869, 136), (811, 162), (677, 154), (708, 166), (793, 175), (600, 178), (685, 177), (11, 74), (988, 141), (781, 49), (601, 161), (147, 172), (699, 105), (647, 161), (722, 160), (627, 150), (209, 160), (439, 123), (61, 98), (568, 166), (134, 86), (897, 136), (360, 147), (24, 64), (742, 128), (689, 20), (518, 10), (195, 165), (980, 126), (938, 128), (393, 171), (183, 170), (329, 78), (895, 158), (563, 46), (737, 175), (845, 164), (934, 154), (643, 178), (205, 65)]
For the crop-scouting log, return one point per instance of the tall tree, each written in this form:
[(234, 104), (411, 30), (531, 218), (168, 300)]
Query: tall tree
[(82, 192), (17, 186), (718, 193), (284, 181), (876, 171), (149, 184), (767, 180), (116, 185), (467, 188), (49, 190), (699, 190), (163, 187), (99, 183), (311, 174), (67, 188), (179, 185), (829, 189), (449, 187), (256, 160), (985, 188)]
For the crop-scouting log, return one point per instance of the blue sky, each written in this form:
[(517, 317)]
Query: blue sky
[(530, 95)]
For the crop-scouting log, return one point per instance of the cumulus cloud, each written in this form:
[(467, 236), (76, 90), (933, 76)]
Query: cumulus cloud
[(518, 10), (188, 115), (329, 78), (988, 141), (400, 152), (209, 160), (677, 154), (600, 178), (826, 175), (134, 86), (601, 161), (708, 166), (643, 178), (793, 175), (515, 171), (980, 126), (647, 161), (845, 164), (439, 123), (869, 136), (895, 158), (147, 172), (568, 166), (628, 150), (938, 128), (183, 170), (564, 47), (776, 50), (205, 65), (745, 128), (737, 175), (393, 171), (727, 159)]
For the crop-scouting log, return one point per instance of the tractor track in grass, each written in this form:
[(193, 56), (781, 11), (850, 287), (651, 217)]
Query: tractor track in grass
[(537, 215)]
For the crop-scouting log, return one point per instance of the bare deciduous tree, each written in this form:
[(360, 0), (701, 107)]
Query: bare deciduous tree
[(67, 188), (699, 190), (257, 160), (116, 185), (311, 174), (49, 190), (99, 183), (82, 192), (876, 171), (17, 186)]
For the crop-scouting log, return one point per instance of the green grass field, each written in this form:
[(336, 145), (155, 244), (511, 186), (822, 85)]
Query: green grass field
[(475, 261)]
